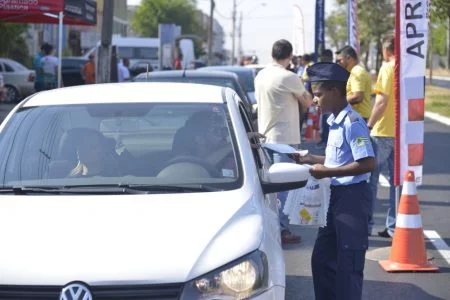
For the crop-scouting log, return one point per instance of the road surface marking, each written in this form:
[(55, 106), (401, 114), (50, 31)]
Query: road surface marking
[(439, 243), (383, 181), (438, 118)]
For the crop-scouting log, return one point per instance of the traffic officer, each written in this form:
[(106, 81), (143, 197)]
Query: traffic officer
[(338, 255)]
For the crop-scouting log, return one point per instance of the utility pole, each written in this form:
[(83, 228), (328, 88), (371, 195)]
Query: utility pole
[(240, 52), (104, 53), (233, 35), (211, 34)]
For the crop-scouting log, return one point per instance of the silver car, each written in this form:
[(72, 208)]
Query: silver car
[(18, 79)]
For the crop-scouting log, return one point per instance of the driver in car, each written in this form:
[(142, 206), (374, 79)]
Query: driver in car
[(94, 159)]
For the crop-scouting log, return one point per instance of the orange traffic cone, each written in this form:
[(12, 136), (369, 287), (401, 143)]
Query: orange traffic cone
[(408, 245)]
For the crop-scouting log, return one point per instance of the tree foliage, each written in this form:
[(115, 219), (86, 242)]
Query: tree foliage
[(180, 12), (12, 43), (375, 19)]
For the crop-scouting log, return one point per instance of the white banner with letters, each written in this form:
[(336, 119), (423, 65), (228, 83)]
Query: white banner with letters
[(410, 79)]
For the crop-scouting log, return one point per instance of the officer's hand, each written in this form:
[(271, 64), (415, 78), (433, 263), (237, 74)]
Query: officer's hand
[(254, 138), (301, 159), (318, 171)]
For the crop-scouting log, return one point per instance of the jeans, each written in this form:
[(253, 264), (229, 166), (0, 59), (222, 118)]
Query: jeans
[(384, 153), (282, 196)]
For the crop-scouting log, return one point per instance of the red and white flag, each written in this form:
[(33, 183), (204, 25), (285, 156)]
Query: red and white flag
[(410, 53)]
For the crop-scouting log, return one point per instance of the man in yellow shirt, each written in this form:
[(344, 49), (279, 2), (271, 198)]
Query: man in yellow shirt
[(382, 126), (359, 84)]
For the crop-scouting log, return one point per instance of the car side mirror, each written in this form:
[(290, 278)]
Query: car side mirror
[(285, 176)]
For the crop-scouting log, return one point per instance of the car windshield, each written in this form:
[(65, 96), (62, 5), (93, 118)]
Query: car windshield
[(120, 144)]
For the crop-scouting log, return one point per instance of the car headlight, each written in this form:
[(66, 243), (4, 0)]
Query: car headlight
[(240, 279)]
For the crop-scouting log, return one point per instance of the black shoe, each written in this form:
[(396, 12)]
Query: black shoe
[(384, 233)]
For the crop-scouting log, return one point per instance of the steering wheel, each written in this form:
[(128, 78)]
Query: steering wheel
[(190, 160)]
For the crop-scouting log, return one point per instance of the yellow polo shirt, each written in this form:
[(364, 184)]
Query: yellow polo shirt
[(360, 81), (385, 127), (305, 76)]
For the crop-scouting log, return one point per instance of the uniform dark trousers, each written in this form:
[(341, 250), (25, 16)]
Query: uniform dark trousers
[(340, 248)]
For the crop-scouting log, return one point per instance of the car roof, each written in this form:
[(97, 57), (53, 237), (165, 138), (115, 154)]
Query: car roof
[(136, 92), (188, 73)]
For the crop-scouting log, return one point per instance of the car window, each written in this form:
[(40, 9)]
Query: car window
[(126, 143), (12, 65), (8, 68), (138, 52), (1, 66)]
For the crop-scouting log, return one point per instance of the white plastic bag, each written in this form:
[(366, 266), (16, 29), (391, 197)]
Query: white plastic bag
[(309, 205)]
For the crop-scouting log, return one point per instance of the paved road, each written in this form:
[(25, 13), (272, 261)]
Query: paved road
[(434, 196)]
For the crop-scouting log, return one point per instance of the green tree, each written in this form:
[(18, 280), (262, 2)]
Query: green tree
[(181, 12), (12, 44), (440, 20), (375, 19)]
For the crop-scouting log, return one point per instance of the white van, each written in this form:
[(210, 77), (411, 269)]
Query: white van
[(136, 49)]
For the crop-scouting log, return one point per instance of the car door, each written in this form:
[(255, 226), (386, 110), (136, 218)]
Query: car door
[(262, 162)]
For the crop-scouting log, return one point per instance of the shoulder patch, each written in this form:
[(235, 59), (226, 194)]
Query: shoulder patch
[(362, 141), (353, 117)]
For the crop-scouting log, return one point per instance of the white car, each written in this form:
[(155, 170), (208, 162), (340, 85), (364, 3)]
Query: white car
[(18, 79), (138, 191)]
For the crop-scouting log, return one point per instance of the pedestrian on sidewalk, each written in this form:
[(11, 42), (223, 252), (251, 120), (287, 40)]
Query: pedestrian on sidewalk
[(49, 68), (39, 80), (278, 93), (339, 251), (382, 130), (88, 71)]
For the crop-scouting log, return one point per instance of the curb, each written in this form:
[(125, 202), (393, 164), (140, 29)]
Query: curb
[(438, 118)]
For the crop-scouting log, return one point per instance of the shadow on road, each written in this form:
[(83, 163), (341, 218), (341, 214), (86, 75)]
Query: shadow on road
[(301, 288)]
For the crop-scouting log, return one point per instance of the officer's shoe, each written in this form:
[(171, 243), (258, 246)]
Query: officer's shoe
[(385, 233)]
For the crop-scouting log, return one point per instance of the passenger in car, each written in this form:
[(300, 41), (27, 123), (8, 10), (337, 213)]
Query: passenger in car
[(94, 157), (203, 140)]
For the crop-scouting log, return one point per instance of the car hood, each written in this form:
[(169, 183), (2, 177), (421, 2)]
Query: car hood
[(52, 240)]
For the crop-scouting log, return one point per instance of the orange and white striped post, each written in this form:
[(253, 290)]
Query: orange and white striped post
[(408, 245)]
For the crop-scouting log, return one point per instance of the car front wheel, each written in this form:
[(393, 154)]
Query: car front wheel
[(12, 95)]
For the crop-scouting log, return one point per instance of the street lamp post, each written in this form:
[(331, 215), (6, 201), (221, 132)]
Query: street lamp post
[(233, 16)]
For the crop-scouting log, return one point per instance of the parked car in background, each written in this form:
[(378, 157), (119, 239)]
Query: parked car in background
[(18, 80), (246, 77), (98, 170), (218, 78), (71, 70), (256, 67), (2, 89), (140, 66)]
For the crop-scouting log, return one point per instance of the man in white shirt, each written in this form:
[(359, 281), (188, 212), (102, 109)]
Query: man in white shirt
[(278, 94), (123, 74)]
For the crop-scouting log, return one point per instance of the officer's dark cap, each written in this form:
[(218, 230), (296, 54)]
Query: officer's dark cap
[(327, 71)]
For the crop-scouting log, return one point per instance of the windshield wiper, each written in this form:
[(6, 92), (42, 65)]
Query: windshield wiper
[(108, 189), (69, 190), (180, 188)]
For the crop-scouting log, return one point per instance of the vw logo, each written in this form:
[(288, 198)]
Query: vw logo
[(75, 291)]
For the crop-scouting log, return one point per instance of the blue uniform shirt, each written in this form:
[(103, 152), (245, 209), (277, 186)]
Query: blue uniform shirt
[(348, 141)]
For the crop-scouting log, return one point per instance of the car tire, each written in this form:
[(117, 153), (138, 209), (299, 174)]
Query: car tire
[(12, 94)]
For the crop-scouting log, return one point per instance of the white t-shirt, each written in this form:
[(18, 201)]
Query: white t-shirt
[(49, 64), (122, 72), (277, 91)]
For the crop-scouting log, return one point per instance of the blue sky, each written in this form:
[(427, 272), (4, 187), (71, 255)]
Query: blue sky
[(264, 22)]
